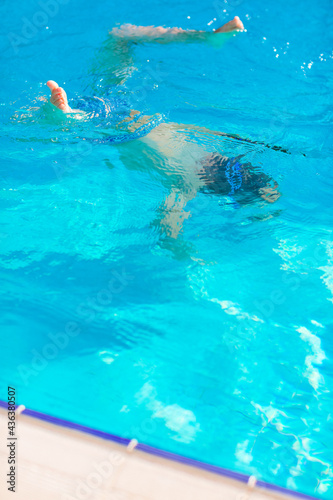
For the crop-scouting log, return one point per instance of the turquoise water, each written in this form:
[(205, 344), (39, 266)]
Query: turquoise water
[(215, 344)]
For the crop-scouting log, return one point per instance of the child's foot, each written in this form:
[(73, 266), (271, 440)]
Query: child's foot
[(58, 97), (234, 25)]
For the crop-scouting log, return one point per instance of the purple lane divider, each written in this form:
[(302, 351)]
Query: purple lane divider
[(195, 463), (160, 453), (77, 427)]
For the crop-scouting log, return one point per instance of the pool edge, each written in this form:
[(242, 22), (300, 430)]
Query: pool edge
[(173, 457)]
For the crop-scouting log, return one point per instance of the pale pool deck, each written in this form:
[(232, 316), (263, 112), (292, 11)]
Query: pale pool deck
[(56, 463)]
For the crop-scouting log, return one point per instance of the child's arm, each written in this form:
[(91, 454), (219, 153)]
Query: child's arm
[(160, 34), (116, 56)]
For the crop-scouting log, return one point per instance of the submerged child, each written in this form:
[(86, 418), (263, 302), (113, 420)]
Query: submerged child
[(189, 166)]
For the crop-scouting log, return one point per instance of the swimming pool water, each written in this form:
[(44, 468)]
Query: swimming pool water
[(218, 344)]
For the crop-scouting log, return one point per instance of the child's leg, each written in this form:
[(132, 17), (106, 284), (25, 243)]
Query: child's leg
[(58, 97)]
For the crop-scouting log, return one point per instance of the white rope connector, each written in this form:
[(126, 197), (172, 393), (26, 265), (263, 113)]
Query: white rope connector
[(20, 409), (132, 444), (252, 481)]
